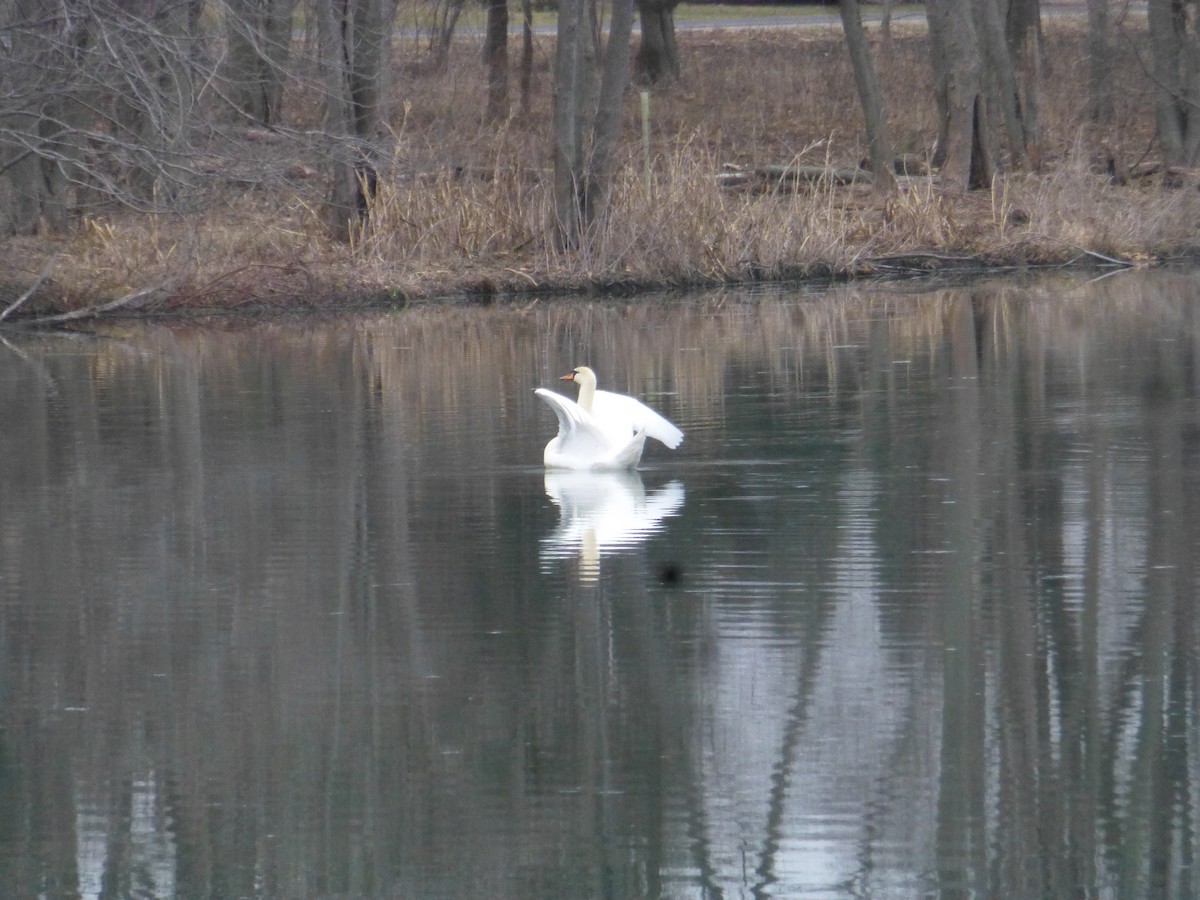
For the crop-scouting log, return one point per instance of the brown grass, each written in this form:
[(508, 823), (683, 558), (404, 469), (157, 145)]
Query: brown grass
[(466, 206)]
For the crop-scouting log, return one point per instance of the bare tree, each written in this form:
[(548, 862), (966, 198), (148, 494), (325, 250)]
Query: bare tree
[(587, 116), (1000, 78), (446, 14), (39, 117), (355, 36), (526, 65), (97, 99), (1023, 35), (966, 149), (100, 101), (658, 54), (495, 54), (159, 129), (259, 39), (1175, 45), (985, 56), (1100, 88), (871, 97)]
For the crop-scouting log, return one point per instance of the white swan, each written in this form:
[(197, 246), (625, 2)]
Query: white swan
[(603, 430)]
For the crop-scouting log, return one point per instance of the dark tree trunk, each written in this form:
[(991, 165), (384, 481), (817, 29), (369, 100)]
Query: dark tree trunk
[(871, 97), (586, 125), (613, 81), (572, 73), (526, 56), (355, 36), (999, 65), (1175, 45), (35, 149), (1023, 29), (446, 14), (495, 53), (1100, 88), (658, 54), (966, 152), (259, 37)]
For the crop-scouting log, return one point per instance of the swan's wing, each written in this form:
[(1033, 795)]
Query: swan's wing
[(618, 412), (578, 434), (630, 455), (577, 430)]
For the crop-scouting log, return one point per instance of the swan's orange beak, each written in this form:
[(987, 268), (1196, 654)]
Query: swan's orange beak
[(570, 376)]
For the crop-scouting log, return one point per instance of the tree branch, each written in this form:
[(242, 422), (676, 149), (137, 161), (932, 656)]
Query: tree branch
[(16, 304), (91, 312)]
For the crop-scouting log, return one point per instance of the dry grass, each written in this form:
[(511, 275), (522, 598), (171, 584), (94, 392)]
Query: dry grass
[(466, 206)]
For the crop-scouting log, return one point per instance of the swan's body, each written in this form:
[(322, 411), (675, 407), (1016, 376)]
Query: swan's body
[(602, 430)]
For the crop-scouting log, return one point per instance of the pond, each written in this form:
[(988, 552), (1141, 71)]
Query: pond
[(291, 608)]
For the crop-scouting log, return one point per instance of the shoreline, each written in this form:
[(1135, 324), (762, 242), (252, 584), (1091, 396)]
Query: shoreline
[(935, 269), (509, 288), (473, 224)]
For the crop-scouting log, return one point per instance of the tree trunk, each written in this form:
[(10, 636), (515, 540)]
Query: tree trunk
[(1024, 36), (95, 98), (526, 56), (1100, 88), (878, 143), (1175, 47), (152, 93), (495, 53), (941, 78), (572, 71), (259, 37), (36, 150), (446, 13), (965, 152), (658, 54), (613, 81), (586, 129), (354, 37), (999, 65)]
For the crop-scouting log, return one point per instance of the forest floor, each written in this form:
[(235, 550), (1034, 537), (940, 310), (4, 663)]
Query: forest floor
[(464, 209)]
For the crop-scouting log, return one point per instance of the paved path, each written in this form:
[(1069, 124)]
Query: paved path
[(802, 20)]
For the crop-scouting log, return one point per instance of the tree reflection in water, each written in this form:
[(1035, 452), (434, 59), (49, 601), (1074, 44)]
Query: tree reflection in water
[(291, 608)]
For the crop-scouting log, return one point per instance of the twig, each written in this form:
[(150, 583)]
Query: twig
[(531, 279), (1094, 254), (12, 307)]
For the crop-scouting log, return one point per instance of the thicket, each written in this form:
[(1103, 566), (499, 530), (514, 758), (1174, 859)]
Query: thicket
[(461, 204)]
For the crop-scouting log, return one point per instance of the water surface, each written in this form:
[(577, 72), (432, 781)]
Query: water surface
[(291, 608)]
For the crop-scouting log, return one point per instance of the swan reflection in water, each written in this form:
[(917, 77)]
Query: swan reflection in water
[(601, 513)]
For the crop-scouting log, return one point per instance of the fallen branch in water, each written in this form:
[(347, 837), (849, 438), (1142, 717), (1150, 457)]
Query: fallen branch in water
[(1094, 254), (16, 304), (98, 309)]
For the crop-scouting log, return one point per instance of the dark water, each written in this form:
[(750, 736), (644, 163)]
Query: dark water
[(290, 609)]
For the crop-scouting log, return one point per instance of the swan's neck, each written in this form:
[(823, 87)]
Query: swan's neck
[(587, 393)]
